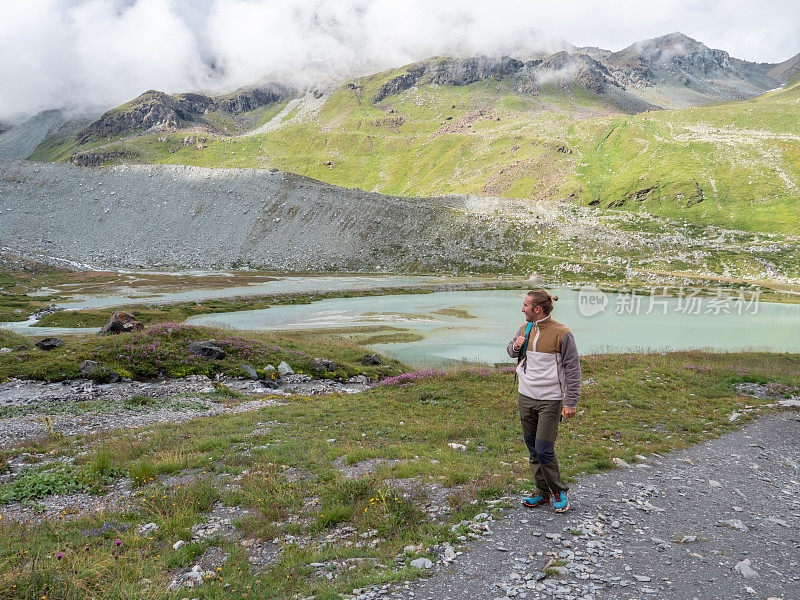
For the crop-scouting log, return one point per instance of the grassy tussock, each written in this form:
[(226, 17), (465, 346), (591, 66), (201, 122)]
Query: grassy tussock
[(164, 349)]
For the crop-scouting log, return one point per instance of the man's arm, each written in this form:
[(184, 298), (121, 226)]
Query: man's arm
[(572, 370), (512, 352)]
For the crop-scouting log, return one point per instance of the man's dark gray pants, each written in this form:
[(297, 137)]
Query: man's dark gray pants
[(540, 419)]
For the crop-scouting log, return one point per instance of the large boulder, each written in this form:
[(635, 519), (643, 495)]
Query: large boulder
[(99, 373), (371, 359), (284, 369), (49, 343), (121, 321), (88, 366), (323, 364), (207, 349), (251, 372)]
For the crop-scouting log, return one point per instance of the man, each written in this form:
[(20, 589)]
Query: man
[(549, 372)]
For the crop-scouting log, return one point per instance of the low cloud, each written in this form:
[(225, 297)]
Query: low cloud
[(93, 54)]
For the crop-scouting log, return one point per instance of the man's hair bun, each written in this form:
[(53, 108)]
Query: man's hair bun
[(541, 298)]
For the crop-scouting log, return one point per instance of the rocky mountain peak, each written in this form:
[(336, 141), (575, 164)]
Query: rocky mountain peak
[(661, 49), (449, 71), (158, 109), (670, 71)]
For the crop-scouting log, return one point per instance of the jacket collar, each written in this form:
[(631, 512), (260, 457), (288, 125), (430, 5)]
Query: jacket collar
[(543, 322)]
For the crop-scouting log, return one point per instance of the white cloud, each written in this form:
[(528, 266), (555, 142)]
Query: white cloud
[(99, 53)]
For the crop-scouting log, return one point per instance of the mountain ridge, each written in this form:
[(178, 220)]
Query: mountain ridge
[(158, 109), (670, 71), (560, 127)]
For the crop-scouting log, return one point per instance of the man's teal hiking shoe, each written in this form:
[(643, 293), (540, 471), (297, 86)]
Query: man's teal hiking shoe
[(561, 502), (536, 500)]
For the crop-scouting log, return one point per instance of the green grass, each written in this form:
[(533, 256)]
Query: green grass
[(36, 483), (726, 164), (628, 411), (9, 339), (164, 349)]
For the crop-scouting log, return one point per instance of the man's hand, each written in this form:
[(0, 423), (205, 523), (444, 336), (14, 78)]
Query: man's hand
[(567, 412), (518, 342)]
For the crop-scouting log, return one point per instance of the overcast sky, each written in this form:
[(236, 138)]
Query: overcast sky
[(94, 54)]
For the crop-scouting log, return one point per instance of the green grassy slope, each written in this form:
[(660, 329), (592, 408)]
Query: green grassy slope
[(733, 164)]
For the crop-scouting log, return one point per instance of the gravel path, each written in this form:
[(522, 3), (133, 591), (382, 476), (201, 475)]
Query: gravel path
[(717, 520)]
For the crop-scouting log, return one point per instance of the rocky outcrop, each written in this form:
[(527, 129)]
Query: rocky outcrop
[(165, 111), (151, 109), (253, 98), (400, 83), (527, 77), (469, 70), (449, 71), (564, 68), (684, 71)]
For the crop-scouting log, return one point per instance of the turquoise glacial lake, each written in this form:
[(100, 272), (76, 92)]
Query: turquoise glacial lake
[(601, 322)]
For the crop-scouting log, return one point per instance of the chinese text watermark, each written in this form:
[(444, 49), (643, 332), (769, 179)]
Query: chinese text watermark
[(663, 300)]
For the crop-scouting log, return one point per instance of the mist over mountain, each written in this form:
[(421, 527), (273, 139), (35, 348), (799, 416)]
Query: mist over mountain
[(87, 55), (583, 125), (670, 71)]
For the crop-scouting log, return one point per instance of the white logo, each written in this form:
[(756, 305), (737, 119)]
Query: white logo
[(591, 301)]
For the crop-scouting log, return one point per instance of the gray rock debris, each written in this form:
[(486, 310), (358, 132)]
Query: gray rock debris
[(362, 229), (745, 569), (36, 396)]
